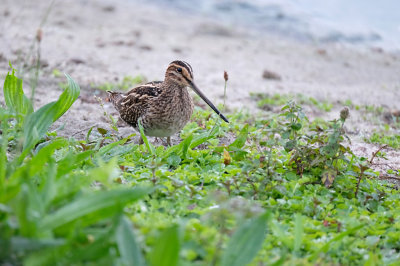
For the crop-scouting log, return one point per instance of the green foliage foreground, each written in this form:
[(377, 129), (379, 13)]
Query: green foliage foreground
[(284, 191)]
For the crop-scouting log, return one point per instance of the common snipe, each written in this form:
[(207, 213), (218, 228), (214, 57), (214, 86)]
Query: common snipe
[(162, 107)]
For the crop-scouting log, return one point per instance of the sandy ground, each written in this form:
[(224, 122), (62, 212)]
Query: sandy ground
[(103, 41)]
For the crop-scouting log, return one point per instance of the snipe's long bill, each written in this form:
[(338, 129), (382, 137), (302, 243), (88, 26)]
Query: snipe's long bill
[(202, 96), (162, 107)]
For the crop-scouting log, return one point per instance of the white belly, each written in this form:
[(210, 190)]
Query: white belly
[(161, 133)]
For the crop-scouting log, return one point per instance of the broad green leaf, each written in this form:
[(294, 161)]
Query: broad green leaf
[(241, 138), (127, 245), (186, 145), (87, 204), (201, 138), (67, 98), (22, 243), (296, 126), (109, 147), (41, 158), (71, 161), (177, 149), (174, 160), (189, 143), (166, 250), (245, 242), (102, 131), (328, 176), (14, 95), (290, 145), (37, 123)]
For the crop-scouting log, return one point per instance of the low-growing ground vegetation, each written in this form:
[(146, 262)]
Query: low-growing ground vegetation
[(280, 190)]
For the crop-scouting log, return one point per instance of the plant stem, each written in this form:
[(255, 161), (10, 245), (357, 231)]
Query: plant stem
[(225, 95), (36, 77), (358, 183)]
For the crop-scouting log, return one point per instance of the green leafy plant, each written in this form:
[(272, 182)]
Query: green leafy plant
[(266, 101), (268, 189), (41, 196), (322, 149), (393, 140), (246, 242)]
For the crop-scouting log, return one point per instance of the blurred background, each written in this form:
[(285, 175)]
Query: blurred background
[(366, 22)]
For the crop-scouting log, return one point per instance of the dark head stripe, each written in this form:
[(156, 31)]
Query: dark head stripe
[(185, 65)]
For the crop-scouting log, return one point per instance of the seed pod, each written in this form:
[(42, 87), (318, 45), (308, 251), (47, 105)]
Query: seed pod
[(226, 76), (39, 35), (227, 158), (344, 113)]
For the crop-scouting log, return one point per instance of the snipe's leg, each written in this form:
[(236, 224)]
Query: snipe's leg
[(169, 141)]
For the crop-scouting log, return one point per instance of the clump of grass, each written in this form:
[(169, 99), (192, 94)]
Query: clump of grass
[(377, 110), (392, 140), (266, 101)]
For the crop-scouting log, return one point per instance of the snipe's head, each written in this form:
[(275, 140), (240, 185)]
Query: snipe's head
[(181, 73)]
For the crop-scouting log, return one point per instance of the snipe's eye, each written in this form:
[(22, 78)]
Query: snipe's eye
[(179, 70)]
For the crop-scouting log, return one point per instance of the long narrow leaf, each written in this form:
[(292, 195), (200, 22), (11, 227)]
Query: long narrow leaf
[(21, 243), (245, 242), (37, 123), (180, 149), (150, 147), (91, 203), (200, 139), (190, 142), (186, 144), (14, 95), (129, 249), (67, 98), (166, 251)]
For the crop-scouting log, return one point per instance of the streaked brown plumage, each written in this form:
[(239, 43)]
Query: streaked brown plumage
[(163, 108)]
